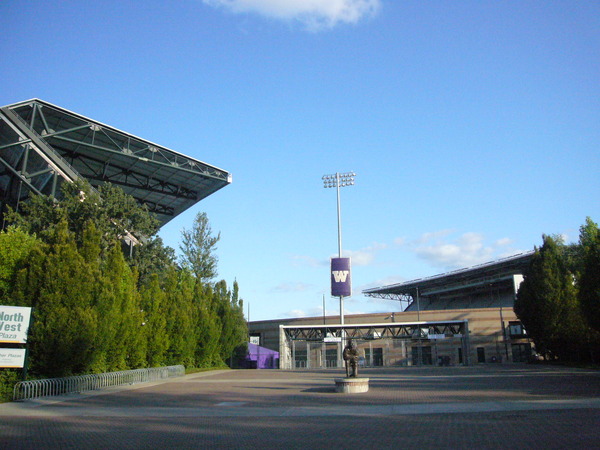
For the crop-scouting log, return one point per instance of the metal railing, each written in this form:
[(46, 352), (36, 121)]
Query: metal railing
[(25, 390)]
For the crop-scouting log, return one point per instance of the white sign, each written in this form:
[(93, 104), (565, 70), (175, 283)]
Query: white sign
[(14, 323), (437, 336), (332, 339), (13, 358)]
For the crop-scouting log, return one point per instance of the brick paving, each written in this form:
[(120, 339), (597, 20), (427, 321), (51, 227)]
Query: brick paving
[(492, 406)]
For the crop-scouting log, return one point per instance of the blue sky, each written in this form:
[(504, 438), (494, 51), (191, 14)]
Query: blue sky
[(472, 126)]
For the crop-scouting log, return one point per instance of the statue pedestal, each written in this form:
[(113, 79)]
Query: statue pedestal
[(351, 385)]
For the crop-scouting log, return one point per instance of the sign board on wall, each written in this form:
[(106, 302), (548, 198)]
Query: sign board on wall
[(14, 323), (341, 282), (13, 358)]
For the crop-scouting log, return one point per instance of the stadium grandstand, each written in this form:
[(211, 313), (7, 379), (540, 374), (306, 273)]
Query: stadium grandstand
[(43, 146), (488, 285)]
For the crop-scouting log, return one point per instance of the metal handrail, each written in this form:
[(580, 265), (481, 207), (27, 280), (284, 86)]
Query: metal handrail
[(25, 390)]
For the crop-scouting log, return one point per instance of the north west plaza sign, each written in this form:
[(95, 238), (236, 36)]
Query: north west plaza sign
[(14, 324)]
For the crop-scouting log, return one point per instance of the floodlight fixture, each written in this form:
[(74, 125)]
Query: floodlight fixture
[(339, 180)]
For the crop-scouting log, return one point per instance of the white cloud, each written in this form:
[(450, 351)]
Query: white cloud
[(431, 235), (400, 241), (314, 14), (364, 256), (465, 251), (299, 313), (504, 241), (307, 261)]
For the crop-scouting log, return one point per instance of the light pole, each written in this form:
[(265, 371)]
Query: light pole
[(337, 181)]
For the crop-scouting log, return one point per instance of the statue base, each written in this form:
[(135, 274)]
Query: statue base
[(351, 385)]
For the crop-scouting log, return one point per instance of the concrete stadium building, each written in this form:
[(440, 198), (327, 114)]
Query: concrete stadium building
[(43, 145), (461, 317)]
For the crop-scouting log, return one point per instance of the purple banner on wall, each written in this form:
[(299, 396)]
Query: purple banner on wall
[(341, 282)]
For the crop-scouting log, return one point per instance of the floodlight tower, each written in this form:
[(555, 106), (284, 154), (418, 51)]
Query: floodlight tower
[(337, 181)]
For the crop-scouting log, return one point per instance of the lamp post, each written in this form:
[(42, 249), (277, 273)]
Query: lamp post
[(337, 181)]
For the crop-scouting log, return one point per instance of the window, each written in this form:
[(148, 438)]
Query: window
[(300, 359), (375, 359), (421, 356), (255, 339), (516, 330), (331, 357)]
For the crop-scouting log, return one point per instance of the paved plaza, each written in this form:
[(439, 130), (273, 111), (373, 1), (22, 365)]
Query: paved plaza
[(492, 406)]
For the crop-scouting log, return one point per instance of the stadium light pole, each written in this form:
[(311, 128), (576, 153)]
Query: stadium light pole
[(337, 181)]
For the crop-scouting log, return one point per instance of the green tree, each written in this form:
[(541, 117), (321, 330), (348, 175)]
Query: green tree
[(64, 330), (15, 247), (234, 331), (155, 322), (180, 325), (547, 303), (153, 258), (208, 327), (115, 214), (589, 279), (198, 247), (126, 347)]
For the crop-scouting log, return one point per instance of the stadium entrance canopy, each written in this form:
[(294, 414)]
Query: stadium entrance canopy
[(43, 145)]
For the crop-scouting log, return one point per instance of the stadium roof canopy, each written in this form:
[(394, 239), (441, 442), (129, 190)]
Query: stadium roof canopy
[(43, 145), (503, 275)]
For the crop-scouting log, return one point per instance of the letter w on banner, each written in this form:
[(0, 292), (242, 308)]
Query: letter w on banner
[(341, 280)]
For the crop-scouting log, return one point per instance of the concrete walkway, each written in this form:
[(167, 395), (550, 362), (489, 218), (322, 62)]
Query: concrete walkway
[(491, 406)]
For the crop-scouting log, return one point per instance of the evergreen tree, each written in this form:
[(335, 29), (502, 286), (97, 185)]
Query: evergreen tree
[(589, 280), (153, 306), (63, 333), (234, 330), (208, 328), (198, 246), (153, 257), (179, 309), (15, 248), (114, 213), (127, 349), (547, 303)]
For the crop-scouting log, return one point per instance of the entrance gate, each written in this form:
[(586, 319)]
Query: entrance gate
[(387, 344)]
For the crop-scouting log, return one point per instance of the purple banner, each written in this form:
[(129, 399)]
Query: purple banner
[(341, 282)]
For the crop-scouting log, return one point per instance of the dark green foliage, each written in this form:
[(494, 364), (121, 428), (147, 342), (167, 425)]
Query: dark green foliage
[(15, 248), (589, 279), (114, 214), (180, 309), (63, 333), (8, 379), (153, 258), (548, 304), (208, 327), (100, 309)]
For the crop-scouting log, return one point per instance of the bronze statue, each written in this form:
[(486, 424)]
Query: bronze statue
[(350, 355)]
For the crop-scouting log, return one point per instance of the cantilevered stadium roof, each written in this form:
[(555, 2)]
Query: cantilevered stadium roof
[(473, 282), (42, 145)]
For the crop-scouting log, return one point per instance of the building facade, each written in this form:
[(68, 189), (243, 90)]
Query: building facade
[(459, 318)]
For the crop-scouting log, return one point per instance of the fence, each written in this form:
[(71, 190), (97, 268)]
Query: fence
[(25, 390)]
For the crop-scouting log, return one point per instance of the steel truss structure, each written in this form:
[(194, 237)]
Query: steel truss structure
[(290, 335), (496, 276), (43, 145), (418, 330)]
